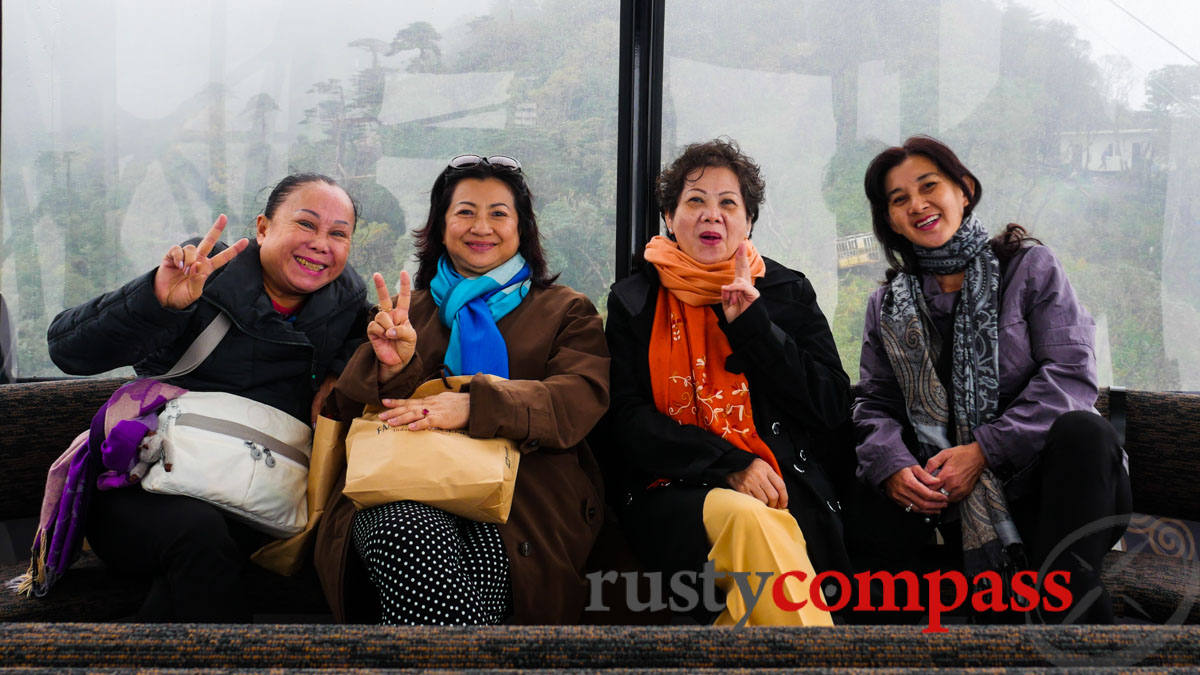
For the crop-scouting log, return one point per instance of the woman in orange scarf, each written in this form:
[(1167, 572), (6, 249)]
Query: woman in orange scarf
[(726, 386)]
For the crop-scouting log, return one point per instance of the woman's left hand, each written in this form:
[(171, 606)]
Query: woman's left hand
[(737, 296), (960, 468), (444, 411)]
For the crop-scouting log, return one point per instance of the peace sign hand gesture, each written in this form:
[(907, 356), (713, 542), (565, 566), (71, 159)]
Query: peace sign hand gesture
[(741, 293), (180, 278), (392, 336)]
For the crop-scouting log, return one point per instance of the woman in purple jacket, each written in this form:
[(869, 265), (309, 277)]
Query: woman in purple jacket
[(974, 410)]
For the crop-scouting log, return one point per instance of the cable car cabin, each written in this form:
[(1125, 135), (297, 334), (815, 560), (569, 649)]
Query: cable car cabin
[(129, 128)]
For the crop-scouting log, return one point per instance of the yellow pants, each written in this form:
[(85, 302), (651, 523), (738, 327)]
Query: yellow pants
[(749, 536)]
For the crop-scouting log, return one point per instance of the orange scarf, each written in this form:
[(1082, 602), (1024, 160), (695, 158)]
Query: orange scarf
[(688, 349)]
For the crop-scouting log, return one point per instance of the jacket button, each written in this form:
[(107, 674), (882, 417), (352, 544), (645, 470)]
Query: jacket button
[(591, 512), (775, 428), (831, 506), (525, 549), (803, 456), (797, 468)]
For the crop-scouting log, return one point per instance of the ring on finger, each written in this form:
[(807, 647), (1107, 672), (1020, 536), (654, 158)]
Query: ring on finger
[(944, 491), (424, 412), (909, 508)]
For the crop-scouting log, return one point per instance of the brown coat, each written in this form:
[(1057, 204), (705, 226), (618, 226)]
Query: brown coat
[(556, 391)]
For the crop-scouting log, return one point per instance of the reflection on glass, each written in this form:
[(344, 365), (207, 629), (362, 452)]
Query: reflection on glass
[(1180, 239), (128, 125), (785, 122), (1080, 118)]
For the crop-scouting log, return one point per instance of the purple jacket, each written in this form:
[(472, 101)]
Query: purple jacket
[(1047, 368)]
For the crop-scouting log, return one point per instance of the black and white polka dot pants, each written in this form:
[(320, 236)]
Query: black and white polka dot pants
[(432, 567)]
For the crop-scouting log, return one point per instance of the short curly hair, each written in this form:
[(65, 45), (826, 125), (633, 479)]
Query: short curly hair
[(721, 151)]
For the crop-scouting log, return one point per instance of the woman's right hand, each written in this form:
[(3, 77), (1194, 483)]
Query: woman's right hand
[(737, 296), (180, 278), (915, 489), (760, 481), (392, 335)]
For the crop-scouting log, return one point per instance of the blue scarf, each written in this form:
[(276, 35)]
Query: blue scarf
[(470, 307)]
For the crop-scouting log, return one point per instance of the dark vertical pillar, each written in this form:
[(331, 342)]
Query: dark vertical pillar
[(640, 132)]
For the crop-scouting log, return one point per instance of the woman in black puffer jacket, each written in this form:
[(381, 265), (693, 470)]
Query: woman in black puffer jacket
[(298, 313)]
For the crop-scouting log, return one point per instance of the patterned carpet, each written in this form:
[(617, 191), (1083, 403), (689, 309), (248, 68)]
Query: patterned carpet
[(544, 671), (188, 646)]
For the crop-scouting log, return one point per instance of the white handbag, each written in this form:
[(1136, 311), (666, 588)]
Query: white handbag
[(244, 457)]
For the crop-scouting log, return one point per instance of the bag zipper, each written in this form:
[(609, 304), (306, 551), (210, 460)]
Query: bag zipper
[(262, 452)]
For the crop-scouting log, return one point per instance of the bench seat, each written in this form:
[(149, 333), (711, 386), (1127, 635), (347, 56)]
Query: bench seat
[(1157, 580), (91, 591)]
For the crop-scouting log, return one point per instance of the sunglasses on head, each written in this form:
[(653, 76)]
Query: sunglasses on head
[(497, 161)]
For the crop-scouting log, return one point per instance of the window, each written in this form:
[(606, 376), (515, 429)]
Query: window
[(129, 125), (1081, 120)]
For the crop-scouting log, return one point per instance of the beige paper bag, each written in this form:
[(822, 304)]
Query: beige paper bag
[(469, 477), (287, 556)]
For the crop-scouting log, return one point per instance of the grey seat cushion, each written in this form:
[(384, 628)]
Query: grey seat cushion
[(1153, 587)]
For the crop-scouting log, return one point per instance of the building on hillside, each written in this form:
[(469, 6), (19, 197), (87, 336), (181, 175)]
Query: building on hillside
[(858, 249), (1110, 151)]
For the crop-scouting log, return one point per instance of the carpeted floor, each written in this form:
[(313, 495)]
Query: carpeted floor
[(843, 649), (662, 671)]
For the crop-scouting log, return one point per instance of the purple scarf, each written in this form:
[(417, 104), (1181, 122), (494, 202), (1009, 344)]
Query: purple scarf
[(73, 477)]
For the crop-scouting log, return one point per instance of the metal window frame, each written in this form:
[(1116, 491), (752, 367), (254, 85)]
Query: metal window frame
[(639, 135)]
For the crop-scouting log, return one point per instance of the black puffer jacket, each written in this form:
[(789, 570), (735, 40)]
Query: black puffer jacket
[(263, 357)]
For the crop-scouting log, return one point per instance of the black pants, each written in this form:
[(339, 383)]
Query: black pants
[(1070, 507), (195, 556)]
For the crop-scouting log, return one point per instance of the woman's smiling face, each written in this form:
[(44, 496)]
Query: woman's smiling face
[(924, 206), (305, 243), (481, 226)]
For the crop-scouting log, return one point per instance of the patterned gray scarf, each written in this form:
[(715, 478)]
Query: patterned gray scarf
[(989, 537)]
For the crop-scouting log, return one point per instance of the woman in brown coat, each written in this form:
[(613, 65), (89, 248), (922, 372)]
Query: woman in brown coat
[(484, 304)]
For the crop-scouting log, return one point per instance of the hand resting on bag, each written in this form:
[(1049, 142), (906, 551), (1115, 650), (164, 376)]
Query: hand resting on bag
[(443, 411), (392, 335)]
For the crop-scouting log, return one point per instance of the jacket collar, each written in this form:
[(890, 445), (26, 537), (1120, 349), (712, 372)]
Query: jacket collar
[(237, 289)]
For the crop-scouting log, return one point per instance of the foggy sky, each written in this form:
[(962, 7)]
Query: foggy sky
[(165, 52)]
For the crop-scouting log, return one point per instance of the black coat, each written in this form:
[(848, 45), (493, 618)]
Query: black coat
[(263, 356), (800, 397)]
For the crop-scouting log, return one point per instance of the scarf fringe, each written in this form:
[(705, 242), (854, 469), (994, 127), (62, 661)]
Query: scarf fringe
[(996, 556), (36, 581)]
